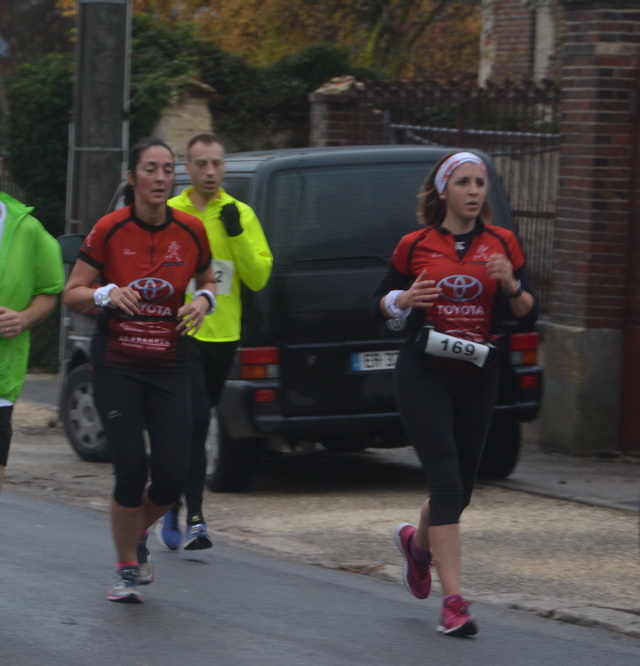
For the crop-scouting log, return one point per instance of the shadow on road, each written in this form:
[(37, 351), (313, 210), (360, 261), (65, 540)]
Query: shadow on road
[(324, 470)]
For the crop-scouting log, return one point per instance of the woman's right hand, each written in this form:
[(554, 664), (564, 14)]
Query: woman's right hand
[(421, 294), (126, 299)]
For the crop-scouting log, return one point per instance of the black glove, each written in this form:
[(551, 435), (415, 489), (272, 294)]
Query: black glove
[(230, 217)]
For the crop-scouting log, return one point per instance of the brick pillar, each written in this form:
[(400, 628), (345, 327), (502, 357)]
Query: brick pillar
[(333, 118), (629, 412), (343, 114), (595, 224)]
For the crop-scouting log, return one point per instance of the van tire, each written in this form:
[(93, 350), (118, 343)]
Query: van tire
[(230, 462), (80, 417), (501, 451)]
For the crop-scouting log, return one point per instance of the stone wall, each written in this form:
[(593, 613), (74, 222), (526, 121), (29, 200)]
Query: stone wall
[(183, 120)]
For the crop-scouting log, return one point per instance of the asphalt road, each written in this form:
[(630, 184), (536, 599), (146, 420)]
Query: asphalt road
[(576, 561), (234, 606)]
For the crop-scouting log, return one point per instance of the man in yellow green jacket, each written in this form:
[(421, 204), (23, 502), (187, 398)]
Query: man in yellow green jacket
[(241, 256), (31, 275)]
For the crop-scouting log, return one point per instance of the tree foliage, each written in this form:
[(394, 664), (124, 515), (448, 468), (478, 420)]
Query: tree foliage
[(34, 28), (40, 97), (163, 59), (399, 38), (253, 106)]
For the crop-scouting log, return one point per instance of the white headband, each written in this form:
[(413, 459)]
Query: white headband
[(451, 164)]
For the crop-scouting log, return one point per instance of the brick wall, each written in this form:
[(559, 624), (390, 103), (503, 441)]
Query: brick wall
[(520, 39), (513, 26), (599, 113), (593, 339)]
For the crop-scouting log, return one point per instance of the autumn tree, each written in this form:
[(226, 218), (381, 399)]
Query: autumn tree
[(400, 38)]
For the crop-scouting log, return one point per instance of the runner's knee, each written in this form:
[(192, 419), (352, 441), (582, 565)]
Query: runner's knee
[(445, 503)]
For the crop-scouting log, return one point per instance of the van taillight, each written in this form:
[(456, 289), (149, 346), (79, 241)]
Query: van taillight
[(523, 348), (265, 395), (529, 381), (259, 362)]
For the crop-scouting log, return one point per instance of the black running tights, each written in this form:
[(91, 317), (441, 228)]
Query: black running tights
[(446, 416)]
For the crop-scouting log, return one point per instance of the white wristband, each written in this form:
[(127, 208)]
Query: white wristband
[(391, 305), (209, 295), (101, 295)]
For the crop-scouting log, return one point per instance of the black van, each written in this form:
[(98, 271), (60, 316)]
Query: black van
[(313, 367)]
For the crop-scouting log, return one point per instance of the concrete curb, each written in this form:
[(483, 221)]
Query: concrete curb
[(565, 497), (624, 621)]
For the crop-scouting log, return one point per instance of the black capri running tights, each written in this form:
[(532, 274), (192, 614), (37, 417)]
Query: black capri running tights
[(446, 416), (5, 433), (129, 401)]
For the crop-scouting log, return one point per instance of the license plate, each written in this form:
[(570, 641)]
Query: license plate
[(375, 360)]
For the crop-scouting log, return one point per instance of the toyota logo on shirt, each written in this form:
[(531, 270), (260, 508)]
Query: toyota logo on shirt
[(153, 289), (460, 288)]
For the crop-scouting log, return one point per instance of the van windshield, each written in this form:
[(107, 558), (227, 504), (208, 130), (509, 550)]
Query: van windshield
[(354, 213)]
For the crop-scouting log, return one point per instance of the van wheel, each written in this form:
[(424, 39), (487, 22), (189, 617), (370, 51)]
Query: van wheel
[(501, 451), (81, 421), (229, 461)]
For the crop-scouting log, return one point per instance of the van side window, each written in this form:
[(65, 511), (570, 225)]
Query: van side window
[(356, 211), (238, 188)]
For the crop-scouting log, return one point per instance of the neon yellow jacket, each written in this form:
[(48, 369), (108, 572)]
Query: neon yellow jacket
[(30, 264), (240, 259)]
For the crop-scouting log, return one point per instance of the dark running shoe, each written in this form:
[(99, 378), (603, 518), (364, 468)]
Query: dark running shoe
[(415, 575), (197, 537)]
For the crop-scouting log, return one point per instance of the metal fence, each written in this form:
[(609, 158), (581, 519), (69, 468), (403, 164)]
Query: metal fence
[(515, 122)]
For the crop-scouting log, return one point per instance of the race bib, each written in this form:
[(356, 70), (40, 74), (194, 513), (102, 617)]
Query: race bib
[(223, 271), (448, 346)]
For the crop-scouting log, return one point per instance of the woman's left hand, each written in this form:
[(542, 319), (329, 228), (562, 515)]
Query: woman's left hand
[(191, 316), (499, 267)]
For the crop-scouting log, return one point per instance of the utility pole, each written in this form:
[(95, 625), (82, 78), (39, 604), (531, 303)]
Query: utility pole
[(99, 132)]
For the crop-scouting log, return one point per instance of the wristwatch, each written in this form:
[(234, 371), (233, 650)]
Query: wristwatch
[(518, 291), (104, 300)]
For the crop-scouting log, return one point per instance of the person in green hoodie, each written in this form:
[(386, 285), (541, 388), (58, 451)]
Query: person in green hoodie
[(241, 257), (31, 274)]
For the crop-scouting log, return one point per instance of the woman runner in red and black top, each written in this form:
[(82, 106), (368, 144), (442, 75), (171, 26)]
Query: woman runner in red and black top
[(144, 256), (449, 280)]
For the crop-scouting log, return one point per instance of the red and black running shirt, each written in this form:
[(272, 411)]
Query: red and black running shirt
[(158, 262), (465, 306)]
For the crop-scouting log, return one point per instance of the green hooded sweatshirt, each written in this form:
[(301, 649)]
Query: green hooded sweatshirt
[(30, 264)]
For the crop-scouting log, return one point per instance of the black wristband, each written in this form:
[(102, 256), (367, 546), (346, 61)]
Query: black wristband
[(517, 292)]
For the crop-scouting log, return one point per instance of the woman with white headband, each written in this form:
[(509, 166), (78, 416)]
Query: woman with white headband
[(450, 280)]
